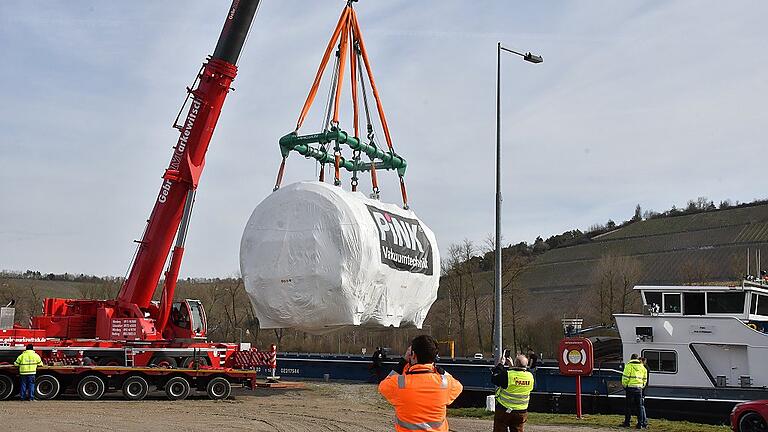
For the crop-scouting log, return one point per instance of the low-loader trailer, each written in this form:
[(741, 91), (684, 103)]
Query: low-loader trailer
[(135, 383)]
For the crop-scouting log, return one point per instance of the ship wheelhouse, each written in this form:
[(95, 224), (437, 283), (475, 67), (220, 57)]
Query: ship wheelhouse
[(748, 302), (711, 338)]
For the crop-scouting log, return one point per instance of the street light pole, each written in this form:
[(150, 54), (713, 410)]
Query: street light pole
[(497, 337), (497, 348)]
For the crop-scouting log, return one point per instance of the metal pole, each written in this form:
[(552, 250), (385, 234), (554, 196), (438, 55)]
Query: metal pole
[(578, 396), (497, 339)]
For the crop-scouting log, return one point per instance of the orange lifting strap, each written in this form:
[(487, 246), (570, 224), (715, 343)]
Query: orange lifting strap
[(348, 37)]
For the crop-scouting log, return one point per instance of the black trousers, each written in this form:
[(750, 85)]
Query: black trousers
[(634, 403)]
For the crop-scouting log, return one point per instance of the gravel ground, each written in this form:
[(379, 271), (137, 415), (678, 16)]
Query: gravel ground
[(317, 407)]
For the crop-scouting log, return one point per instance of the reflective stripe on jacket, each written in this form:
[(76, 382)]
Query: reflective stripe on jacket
[(420, 397), (518, 392), (28, 361), (635, 374)]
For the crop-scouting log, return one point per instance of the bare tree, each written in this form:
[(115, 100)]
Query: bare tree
[(695, 270), (489, 243), (279, 335), (630, 273), (101, 290), (252, 324), (615, 278), (459, 286), (512, 293), (472, 270), (233, 294), (35, 301), (605, 282), (466, 266)]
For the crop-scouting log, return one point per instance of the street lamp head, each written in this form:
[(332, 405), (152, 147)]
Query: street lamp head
[(533, 58)]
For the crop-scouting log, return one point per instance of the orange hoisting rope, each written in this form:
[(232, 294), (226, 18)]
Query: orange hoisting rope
[(364, 53), (323, 64), (347, 36)]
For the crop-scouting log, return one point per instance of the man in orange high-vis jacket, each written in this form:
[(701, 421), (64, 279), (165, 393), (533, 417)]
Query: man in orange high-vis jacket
[(419, 390)]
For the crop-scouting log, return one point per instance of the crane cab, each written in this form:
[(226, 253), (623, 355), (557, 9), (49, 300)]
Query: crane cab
[(187, 320)]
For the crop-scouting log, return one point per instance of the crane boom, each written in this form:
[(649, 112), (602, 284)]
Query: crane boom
[(170, 215), (132, 330)]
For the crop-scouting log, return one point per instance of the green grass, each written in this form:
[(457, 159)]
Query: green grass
[(599, 420)]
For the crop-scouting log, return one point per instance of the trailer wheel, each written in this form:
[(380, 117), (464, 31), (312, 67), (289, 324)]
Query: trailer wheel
[(177, 388), (47, 387), (135, 388), (91, 387), (218, 388), (6, 387), (164, 362)]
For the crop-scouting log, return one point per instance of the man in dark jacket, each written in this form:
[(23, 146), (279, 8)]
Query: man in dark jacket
[(533, 358), (378, 364)]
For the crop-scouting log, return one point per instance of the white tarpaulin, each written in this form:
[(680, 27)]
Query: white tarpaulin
[(315, 257)]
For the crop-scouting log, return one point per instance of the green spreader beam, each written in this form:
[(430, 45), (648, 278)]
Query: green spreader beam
[(301, 144)]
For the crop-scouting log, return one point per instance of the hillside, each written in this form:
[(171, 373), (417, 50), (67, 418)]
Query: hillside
[(708, 247)]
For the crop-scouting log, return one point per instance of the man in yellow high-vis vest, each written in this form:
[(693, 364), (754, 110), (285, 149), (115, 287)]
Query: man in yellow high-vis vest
[(513, 393), (634, 379), (27, 362)]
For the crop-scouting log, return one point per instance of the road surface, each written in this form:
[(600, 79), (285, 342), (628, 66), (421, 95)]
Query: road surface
[(317, 407)]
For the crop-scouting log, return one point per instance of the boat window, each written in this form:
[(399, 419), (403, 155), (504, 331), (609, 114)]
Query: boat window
[(672, 303), (762, 305), (725, 302), (653, 298), (661, 361), (693, 303), (753, 306)]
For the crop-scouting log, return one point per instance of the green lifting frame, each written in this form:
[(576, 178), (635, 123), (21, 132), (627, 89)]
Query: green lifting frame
[(326, 146), (301, 143)]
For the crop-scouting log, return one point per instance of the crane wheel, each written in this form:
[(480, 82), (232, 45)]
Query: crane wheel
[(6, 387), (110, 361), (218, 388), (195, 363), (47, 387), (91, 387), (177, 388), (135, 388), (163, 362)]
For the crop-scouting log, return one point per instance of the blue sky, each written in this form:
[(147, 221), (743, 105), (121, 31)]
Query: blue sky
[(649, 102)]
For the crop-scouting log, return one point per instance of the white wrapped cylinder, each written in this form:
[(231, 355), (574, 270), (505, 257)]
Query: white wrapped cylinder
[(316, 257)]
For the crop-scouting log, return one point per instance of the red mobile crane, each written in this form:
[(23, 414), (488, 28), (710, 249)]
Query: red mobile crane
[(132, 330)]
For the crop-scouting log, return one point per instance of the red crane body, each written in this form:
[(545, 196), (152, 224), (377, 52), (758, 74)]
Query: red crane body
[(133, 317), (179, 183)]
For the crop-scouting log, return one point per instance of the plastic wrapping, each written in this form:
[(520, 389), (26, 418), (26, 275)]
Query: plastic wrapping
[(316, 257)]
